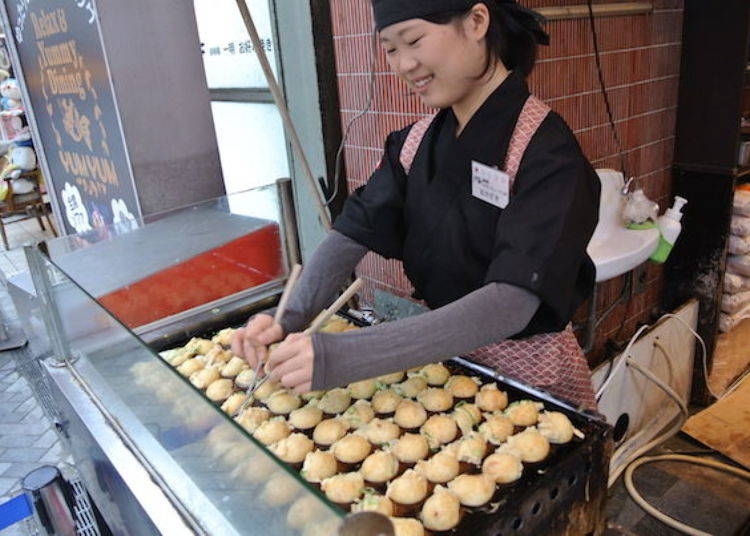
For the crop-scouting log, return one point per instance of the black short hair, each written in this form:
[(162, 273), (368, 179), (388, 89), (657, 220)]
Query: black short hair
[(507, 41)]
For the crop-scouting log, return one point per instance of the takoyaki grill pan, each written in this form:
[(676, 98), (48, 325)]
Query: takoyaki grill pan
[(563, 495)]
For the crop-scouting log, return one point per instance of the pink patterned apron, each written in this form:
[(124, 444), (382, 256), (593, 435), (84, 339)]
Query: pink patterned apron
[(551, 361)]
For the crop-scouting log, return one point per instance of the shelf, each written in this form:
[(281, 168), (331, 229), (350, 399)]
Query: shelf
[(580, 11), (736, 171), (704, 168)]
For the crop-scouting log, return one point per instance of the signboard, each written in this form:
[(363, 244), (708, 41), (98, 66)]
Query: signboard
[(67, 79)]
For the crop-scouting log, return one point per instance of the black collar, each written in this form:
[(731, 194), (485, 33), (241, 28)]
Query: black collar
[(487, 134), (502, 105)]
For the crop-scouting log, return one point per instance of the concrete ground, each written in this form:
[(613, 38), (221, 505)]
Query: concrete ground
[(20, 233), (27, 437), (715, 502)]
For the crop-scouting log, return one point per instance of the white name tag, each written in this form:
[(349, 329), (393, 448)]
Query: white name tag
[(490, 184)]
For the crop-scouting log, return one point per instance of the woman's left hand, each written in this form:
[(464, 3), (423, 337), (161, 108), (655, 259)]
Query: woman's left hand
[(292, 362)]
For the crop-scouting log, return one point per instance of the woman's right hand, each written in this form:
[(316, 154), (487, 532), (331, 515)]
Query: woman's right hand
[(251, 342)]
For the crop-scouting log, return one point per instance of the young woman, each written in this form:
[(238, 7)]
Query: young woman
[(490, 205)]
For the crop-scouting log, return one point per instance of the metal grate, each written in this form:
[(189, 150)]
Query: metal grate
[(31, 369), (84, 513)]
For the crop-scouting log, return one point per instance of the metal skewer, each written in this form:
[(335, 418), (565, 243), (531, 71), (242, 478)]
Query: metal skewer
[(290, 283), (323, 317)]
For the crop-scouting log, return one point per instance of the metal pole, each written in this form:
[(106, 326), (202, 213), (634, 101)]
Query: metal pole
[(52, 321), (289, 221), (591, 323), (53, 500)]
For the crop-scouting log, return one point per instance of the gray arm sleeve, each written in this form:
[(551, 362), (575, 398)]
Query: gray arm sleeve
[(487, 315), (323, 275)]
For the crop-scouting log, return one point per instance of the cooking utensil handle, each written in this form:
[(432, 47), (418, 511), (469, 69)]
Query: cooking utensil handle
[(338, 304)]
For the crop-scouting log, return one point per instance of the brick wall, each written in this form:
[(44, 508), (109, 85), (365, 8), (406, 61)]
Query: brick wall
[(640, 60)]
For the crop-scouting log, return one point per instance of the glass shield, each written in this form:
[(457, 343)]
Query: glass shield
[(144, 272), (223, 480)]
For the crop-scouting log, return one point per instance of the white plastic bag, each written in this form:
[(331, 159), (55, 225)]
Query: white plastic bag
[(734, 283), (725, 323), (740, 226), (728, 322), (733, 303), (739, 245), (739, 264), (742, 202)]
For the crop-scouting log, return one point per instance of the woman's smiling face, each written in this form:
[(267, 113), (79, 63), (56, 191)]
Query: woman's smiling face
[(439, 62)]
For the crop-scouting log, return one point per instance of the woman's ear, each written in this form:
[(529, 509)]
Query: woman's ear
[(477, 22)]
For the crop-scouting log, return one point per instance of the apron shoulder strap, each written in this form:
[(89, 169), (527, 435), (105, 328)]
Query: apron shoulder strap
[(533, 113), (413, 141)]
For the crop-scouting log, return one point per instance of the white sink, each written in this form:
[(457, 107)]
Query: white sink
[(615, 249)]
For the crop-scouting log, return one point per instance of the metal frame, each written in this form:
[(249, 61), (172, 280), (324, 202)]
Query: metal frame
[(153, 480), (289, 221), (108, 436), (240, 94), (255, 294), (61, 351), (186, 498)]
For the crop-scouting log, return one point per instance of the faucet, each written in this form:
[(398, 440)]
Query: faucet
[(626, 188)]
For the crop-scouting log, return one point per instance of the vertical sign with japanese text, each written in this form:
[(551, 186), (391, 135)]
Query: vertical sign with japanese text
[(65, 70), (229, 57)]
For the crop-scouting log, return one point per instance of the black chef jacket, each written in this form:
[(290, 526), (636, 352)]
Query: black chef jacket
[(452, 243)]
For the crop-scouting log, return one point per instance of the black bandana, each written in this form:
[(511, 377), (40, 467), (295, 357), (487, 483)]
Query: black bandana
[(389, 12)]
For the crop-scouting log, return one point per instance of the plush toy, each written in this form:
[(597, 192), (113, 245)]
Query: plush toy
[(11, 95), (21, 157)]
